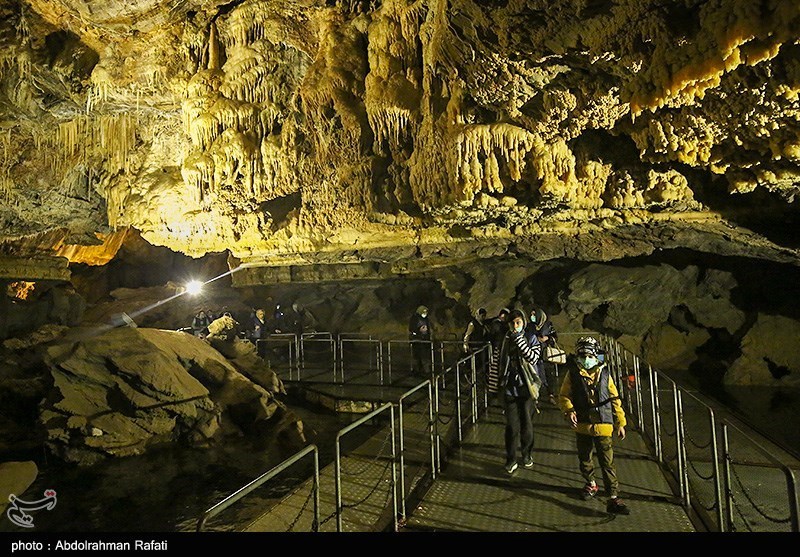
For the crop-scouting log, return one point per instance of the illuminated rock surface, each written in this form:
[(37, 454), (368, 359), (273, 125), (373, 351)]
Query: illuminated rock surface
[(115, 393), (465, 145), (303, 131)]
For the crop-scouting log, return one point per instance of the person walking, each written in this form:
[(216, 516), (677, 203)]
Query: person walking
[(519, 384), (541, 326), (496, 329), (590, 402), (475, 334), (420, 335)]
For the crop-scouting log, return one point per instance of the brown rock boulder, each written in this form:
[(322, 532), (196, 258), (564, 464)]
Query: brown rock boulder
[(119, 392)]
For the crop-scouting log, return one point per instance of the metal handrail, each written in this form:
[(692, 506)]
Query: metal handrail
[(259, 481), (626, 366), (405, 395), (791, 487), (338, 462)]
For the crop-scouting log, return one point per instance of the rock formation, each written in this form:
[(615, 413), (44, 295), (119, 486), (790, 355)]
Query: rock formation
[(315, 142), (118, 392)]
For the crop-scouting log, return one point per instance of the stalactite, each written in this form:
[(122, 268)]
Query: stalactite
[(478, 143), (213, 48)]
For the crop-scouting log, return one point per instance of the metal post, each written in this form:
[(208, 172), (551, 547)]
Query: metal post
[(389, 359), (715, 464), (394, 472), (726, 471), (474, 390), (457, 381), (654, 402), (380, 360), (430, 429), (436, 423), (637, 383), (680, 434)]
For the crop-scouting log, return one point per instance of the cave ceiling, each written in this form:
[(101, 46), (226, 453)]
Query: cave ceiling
[(397, 136)]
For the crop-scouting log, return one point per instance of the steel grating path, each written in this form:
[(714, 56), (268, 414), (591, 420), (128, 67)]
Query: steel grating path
[(473, 493)]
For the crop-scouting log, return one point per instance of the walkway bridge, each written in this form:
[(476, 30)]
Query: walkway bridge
[(425, 454)]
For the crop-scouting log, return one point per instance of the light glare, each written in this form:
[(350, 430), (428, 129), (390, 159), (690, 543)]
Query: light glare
[(194, 287)]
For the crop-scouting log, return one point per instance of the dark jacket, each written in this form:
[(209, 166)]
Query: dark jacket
[(542, 328), (475, 332), (594, 397), (200, 323), (519, 354), (419, 328), (258, 328)]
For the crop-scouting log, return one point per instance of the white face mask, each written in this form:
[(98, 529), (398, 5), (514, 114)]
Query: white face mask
[(424, 315), (588, 362)]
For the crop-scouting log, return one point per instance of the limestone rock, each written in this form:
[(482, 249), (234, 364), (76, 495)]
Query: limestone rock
[(15, 478), (631, 299), (711, 305), (119, 392), (770, 354), (667, 348)]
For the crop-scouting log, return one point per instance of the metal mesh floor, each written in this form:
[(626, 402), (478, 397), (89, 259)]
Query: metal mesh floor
[(474, 492)]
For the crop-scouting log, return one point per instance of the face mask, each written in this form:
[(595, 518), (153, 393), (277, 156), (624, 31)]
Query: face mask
[(424, 315), (518, 329), (588, 362), (533, 318)]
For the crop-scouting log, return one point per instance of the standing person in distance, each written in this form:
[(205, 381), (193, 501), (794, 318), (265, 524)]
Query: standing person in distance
[(475, 334), (590, 402), (496, 329), (420, 334), (517, 368), (475, 338), (541, 326)]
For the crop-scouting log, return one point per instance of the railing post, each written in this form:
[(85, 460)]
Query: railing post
[(380, 360), (637, 384), (717, 472), (457, 381), (726, 471), (394, 471), (436, 423), (680, 434), (474, 390), (655, 404)]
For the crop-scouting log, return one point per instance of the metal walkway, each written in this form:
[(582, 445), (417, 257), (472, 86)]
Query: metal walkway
[(475, 494), (432, 461)]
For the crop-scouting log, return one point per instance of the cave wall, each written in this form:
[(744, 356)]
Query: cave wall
[(290, 132)]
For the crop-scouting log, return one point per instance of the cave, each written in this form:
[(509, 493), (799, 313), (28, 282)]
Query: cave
[(630, 168)]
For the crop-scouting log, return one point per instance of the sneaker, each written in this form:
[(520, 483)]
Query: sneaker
[(589, 491), (528, 462), (617, 506), (512, 467)]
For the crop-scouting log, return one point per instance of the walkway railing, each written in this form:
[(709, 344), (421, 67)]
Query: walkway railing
[(261, 480), (730, 486)]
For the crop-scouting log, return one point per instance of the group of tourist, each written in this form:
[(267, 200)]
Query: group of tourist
[(518, 375), (258, 325)]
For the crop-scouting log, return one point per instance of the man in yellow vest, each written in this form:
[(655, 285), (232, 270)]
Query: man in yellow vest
[(590, 402)]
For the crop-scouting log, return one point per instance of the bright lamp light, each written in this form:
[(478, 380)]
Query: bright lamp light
[(194, 287)]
